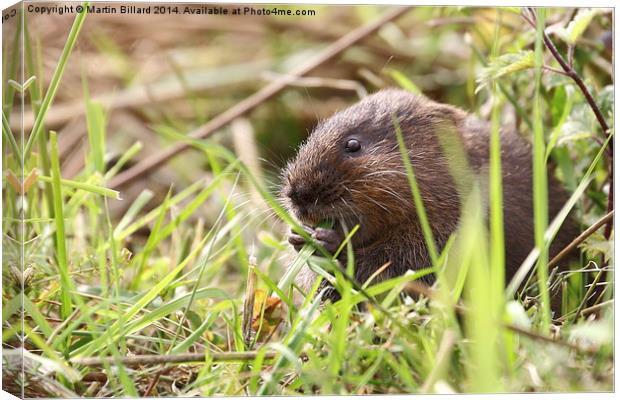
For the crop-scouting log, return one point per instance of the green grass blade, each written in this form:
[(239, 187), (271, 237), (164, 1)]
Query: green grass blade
[(496, 213), (35, 100), (415, 192), (37, 128), (142, 200), (175, 200), (95, 122), (8, 136), (482, 320), (192, 338), (151, 241), (403, 81), (103, 191), (31, 309), (11, 307), (12, 70), (128, 155), (61, 248), (172, 306), (541, 218)]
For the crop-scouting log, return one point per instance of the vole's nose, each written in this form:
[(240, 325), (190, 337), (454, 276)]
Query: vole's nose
[(301, 195)]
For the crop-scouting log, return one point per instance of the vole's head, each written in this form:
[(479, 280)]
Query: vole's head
[(350, 168)]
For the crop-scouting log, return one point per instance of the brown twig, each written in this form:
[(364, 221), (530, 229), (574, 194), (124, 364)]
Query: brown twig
[(596, 307), (171, 358), (610, 201), (570, 71), (571, 55), (554, 70), (154, 381), (575, 77), (157, 160), (248, 304), (589, 293), (547, 339), (587, 311), (583, 236)]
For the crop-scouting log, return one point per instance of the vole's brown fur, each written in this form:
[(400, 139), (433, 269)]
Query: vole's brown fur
[(369, 187)]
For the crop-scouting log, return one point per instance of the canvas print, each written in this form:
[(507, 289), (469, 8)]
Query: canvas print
[(229, 199)]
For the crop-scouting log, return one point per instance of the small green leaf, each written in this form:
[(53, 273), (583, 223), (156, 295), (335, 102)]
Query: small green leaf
[(577, 26), (11, 307), (504, 65), (515, 10), (100, 190), (403, 81), (19, 87), (269, 240)]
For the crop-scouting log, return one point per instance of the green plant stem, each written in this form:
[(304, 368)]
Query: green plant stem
[(37, 128), (540, 179), (8, 136), (103, 191), (35, 97), (496, 217), (7, 104), (66, 287), (415, 192)]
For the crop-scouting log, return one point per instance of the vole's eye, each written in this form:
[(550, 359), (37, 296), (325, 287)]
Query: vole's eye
[(352, 146)]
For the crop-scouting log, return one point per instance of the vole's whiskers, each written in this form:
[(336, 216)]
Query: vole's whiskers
[(385, 172), (350, 208), (388, 190)]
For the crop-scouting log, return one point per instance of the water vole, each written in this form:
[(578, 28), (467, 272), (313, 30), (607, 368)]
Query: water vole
[(350, 170)]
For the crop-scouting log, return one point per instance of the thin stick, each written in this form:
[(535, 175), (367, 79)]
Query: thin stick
[(154, 381), (596, 307), (155, 161), (554, 70), (574, 76), (248, 304), (542, 338), (571, 53), (591, 290), (610, 201), (320, 82), (171, 358), (587, 311), (583, 236)]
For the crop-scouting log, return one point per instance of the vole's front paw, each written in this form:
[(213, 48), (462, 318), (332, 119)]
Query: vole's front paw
[(328, 238), (297, 240)]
